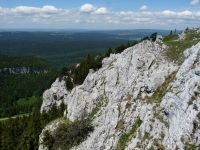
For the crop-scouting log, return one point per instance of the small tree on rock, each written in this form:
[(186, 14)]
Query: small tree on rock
[(68, 83), (47, 140)]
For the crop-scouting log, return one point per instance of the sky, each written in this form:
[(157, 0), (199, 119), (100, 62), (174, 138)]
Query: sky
[(99, 14)]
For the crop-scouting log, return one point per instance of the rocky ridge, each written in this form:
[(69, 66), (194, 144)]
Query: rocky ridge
[(140, 83), (22, 70)]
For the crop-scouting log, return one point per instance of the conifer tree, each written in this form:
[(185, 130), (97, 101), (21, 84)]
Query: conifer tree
[(68, 83)]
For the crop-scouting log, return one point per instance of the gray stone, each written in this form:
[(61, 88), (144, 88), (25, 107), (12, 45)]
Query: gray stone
[(119, 83)]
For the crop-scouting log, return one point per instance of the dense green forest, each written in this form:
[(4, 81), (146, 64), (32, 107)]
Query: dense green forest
[(21, 92), (22, 133), (34, 62), (66, 47)]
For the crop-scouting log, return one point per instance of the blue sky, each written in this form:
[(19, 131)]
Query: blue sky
[(115, 4), (99, 14)]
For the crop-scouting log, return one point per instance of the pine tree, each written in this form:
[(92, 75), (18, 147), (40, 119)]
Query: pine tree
[(171, 32), (175, 31), (153, 36), (68, 83), (47, 140), (109, 51)]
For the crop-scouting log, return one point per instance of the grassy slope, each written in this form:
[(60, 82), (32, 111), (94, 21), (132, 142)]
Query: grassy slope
[(176, 47)]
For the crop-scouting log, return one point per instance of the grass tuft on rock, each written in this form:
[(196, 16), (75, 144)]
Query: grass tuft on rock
[(161, 90), (126, 137)]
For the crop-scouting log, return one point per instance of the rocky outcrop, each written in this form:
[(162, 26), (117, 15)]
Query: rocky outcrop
[(135, 84), (183, 103), (55, 95), (21, 70)]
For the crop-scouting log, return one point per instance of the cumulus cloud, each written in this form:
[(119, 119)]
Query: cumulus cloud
[(181, 14), (33, 10), (198, 14), (87, 8), (23, 16), (144, 7), (185, 13), (194, 2), (168, 13), (101, 10)]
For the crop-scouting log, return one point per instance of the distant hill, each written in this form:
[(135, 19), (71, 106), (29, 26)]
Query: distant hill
[(66, 47)]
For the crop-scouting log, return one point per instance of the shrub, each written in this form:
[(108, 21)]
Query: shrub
[(190, 147), (72, 134), (47, 140), (68, 83), (153, 37)]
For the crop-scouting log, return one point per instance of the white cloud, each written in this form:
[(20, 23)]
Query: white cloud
[(23, 16), (101, 10), (168, 13), (49, 9), (126, 13), (185, 13), (87, 8), (194, 2), (198, 14), (181, 14), (34, 10), (146, 13), (144, 7), (25, 9)]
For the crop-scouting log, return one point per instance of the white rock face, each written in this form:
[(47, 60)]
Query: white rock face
[(122, 75), (123, 84), (182, 99), (181, 36), (55, 95)]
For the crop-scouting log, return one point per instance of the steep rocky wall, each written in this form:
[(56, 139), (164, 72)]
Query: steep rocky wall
[(21, 70), (183, 103), (135, 84), (54, 95)]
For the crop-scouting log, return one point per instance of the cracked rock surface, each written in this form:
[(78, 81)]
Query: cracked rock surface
[(124, 83)]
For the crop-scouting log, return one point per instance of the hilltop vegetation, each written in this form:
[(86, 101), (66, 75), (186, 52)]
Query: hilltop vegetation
[(177, 46)]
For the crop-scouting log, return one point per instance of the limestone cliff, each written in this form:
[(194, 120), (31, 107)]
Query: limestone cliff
[(140, 83)]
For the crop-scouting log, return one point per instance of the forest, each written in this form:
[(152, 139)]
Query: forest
[(22, 133), (66, 47), (21, 92)]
